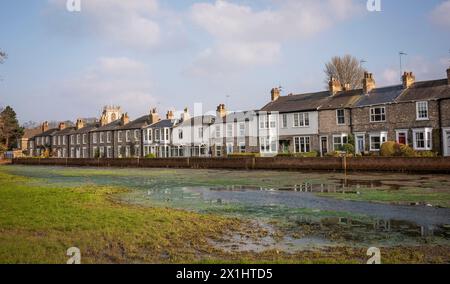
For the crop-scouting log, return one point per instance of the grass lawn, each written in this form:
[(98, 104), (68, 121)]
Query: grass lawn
[(39, 222)]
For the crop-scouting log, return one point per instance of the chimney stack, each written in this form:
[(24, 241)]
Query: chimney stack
[(62, 126), (408, 79), (221, 111), (154, 116), (170, 115), (185, 115), (125, 119), (368, 83), (335, 86), (44, 126), (103, 120), (79, 124), (448, 76), (275, 94)]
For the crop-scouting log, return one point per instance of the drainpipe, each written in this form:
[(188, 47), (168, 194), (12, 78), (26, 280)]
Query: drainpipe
[(441, 137)]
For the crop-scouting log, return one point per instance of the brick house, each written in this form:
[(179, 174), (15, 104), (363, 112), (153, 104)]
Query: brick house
[(335, 121), (42, 142), (297, 118), (129, 137), (60, 141), (79, 142)]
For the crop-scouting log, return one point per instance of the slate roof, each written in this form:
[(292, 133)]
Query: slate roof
[(108, 127), (137, 123), (86, 129), (345, 99), (293, 103), (49, 132), (65, 131), (379, 96), (198, 120), (31, 132), (165, 123), (426, 90)]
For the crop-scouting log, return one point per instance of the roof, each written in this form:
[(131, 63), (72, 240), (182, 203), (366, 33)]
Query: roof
[(379, 96), (198, 120), (86, 129), (165, 123), (238, 116), (31, 132), (301, 102), (110, 126), (49, 132), (65, 131), (426, 90), (137, 123), (345, 99)]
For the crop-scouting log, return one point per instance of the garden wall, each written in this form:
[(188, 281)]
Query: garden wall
[(399, 164)]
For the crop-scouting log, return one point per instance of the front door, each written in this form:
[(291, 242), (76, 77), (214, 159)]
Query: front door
[(359, 144), (447, 149), (324, 145)]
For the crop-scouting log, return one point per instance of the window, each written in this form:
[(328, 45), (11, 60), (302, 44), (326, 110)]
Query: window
[(72, 152), (127, 151), (218, 131), (378, 114), (422, 110), (284, 122), (72, 140), (64, 140), (119, 151), (242, 129), (119, 136), (102, 152), (218, 151), (108, 136), (263, 122), (340, 116), (180, 134), (137, 151), (94, 138), (422, 139), (94, 152), (85, 152), (127, 135), (229, 148), (301, 119), (200, 132), (102, 137), (166, 131), (376, 140), (339, 141), (109, 152), (157, 134), (84, 139), (78, 139), (54, 140), (302, 144), (242, 147), (150, 132), (229, 130)]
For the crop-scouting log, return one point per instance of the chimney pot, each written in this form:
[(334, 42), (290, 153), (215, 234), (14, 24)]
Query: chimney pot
[(368, 83), (62, 126), (275, 94), (221, 111), (44, 126), (125, 119), (335, 86), (170, 115), (408, 79)]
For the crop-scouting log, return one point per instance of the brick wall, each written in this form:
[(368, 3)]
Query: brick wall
[(429, 165)]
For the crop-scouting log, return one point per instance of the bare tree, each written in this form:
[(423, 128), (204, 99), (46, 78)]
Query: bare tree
[(2, 56), (346, 69)]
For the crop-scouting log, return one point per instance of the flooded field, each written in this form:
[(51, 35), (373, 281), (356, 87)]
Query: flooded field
[(287, 211)]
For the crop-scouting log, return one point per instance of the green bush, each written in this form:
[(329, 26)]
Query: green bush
[(150, 156), (427, 154), (405, 151), (311, 154), (348, 148)]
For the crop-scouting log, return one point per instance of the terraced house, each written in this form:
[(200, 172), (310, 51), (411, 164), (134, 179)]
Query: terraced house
[(157, 138), (60, 144), (101, 138), (42, 142)]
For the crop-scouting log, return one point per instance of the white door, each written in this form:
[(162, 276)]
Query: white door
[(360, 144), (447, 144)]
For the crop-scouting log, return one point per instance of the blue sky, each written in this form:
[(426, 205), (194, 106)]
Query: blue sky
[(171, 54)]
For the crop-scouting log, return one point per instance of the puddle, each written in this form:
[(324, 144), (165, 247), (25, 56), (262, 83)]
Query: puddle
[(292, 207)]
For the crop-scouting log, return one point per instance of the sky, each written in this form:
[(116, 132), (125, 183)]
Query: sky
[(141, 54)]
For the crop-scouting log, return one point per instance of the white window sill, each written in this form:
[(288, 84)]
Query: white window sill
[(422, 119)]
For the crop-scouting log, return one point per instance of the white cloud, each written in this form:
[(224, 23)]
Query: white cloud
[(111, 80), (132, 22), (244, 36), (441, 14)]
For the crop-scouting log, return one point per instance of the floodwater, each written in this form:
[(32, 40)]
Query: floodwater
[(297, 211)]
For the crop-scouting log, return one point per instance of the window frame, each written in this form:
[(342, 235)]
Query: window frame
[(374, 115), (418, 111)]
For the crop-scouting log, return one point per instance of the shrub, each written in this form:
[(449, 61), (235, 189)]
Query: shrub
[(311, 154), (389, 149), (427, 154), (405, 151), (348, 148), (150, 156), (238, 155)]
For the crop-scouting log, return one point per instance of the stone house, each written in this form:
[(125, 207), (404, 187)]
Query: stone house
[(79, 140), (297, 118), (102, 139), (157, 138), (24, 142), (422, 114), (335, 123)]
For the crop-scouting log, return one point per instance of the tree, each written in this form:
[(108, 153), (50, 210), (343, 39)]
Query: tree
[(3, 56), (347, 70), (10, 130)]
